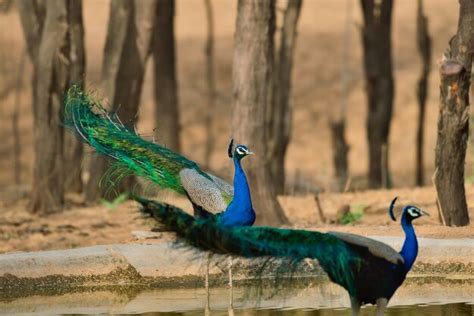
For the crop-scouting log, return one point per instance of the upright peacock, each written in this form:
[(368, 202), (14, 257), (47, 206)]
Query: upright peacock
[(369, 270), (106, 134), (209, 195)]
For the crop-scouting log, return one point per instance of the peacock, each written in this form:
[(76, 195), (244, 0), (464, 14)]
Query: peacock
[(106, 134), (210, 195), (369, 270)]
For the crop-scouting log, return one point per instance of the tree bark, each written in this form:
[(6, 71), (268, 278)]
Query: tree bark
[(424, 48), (32, 14), (453, 120), (167, 129), (73, 146), (127, 48), (211, 86), (376, 39), (280, 110), (253, 80), (338, 125), (46, 31), (15, 119), (341, 151)]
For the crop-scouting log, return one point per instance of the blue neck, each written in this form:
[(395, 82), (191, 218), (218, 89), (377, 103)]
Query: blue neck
[(410, 246), (240, 211), (241, 187)]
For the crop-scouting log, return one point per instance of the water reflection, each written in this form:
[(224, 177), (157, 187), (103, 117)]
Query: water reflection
[(458, 309), (314, 296)]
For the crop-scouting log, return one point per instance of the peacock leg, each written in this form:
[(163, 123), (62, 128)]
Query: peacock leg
[(231, 290), (381, 306), (206, 281), (230, 272), (355, 307), (207, 310)]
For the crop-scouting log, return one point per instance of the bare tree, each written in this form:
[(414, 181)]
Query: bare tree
[(453, 120), (73, 150), (5, 5), (127, 48), (340, 149), (253, 80), (424, 48), (15, 119), (211, 86), (166, 88), (46, 26), (338, 125), (279, 111), (376, 39)]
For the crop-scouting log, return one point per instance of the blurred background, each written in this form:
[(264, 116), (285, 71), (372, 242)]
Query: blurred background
[(171, 70), (316, 83), (327, 76)]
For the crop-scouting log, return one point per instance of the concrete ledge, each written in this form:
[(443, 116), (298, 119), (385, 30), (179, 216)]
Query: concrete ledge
[(167, 265)]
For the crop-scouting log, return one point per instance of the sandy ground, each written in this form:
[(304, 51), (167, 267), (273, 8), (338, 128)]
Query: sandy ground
[(85, 226)]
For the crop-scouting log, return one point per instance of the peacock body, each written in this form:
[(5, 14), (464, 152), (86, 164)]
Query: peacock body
[(369, 270), (210, 196), (107, 135)]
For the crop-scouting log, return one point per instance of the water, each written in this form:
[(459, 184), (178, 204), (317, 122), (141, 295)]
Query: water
[(315, 296), (458, 309)]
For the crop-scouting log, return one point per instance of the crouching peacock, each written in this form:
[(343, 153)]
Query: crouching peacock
[(369, 270)]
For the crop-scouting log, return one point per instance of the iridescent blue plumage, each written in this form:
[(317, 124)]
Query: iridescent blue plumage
[(369, 270), (240, 211), (409, 250)]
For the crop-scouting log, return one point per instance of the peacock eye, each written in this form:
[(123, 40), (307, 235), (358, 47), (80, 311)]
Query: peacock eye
[(240, 151)]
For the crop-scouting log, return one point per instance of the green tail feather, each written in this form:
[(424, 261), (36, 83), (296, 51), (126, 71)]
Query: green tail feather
[(334, 256), (105, 133)]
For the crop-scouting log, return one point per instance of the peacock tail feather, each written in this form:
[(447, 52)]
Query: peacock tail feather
[(107, 135), (334, 255)]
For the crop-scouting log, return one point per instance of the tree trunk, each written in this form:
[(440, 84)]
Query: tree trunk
[(211, 86), (253, 80), (16, 118), (46, 27), (341, 150), (126, 51), (280, 110), (424, 48), (453, 120), (73, 146), (338, 125), (166, 89), (376, 39)]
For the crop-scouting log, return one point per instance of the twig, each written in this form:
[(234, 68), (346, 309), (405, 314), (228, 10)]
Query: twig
[(319, 207), (438, 204), (347, 187)]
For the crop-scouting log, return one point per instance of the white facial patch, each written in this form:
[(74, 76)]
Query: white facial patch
[(414, 212), (241, 151)]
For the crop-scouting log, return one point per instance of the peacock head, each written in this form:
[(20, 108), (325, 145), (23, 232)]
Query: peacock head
[(239, 152), (409, 213)]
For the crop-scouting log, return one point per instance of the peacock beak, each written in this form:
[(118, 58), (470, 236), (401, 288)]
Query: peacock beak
[(425, 213), (250, 153)]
